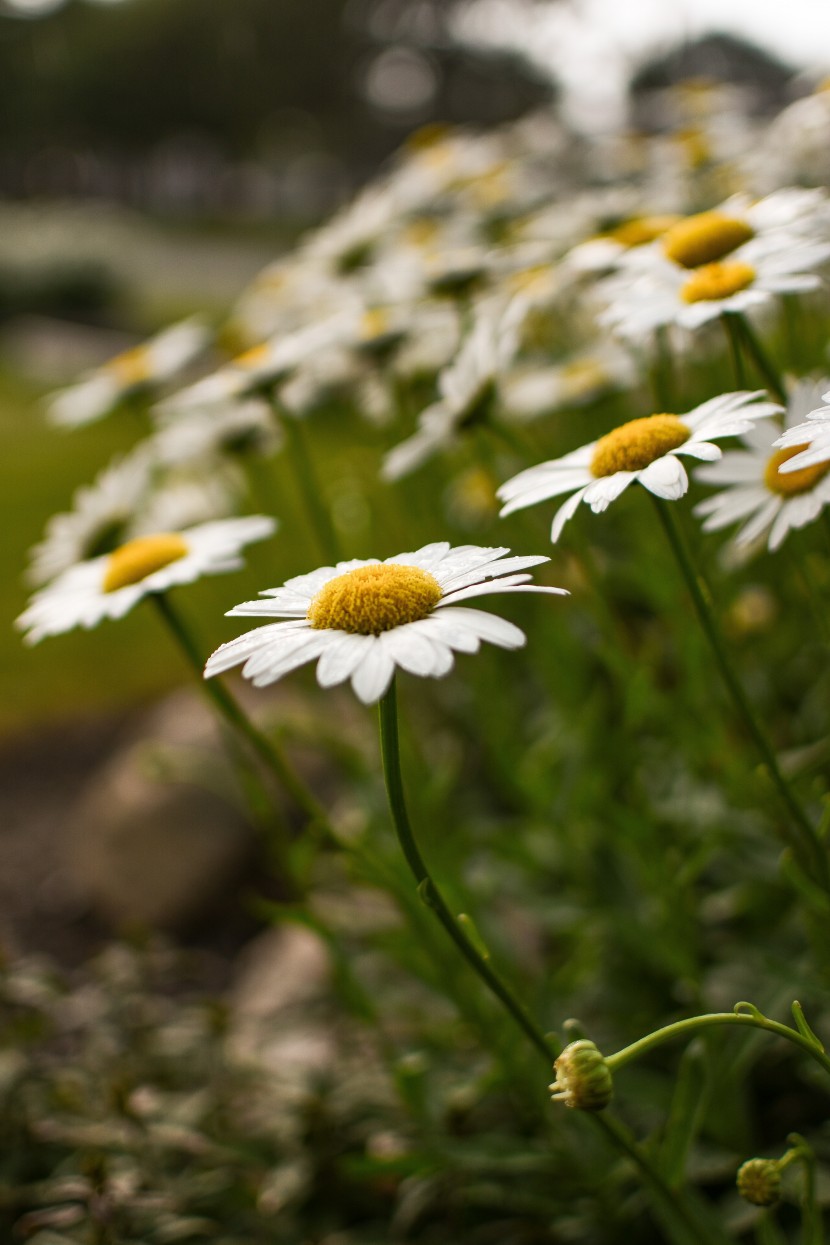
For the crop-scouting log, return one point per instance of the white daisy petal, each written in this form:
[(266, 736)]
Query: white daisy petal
[(666, 477), (340, 657), (564, 513), (374, 673)]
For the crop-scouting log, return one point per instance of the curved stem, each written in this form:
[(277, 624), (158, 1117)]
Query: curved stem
[(233, 713), (800, 834), (429, 892), (681, 1028)]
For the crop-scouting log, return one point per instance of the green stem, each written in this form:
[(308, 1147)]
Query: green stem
[(318, 511), (799, 834), (682, 1028), (760, 357), (733, 338), (232, 712), (429, 892)]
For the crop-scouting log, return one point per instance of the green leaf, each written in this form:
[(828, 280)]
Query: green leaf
[(685, 1113), (802, 1026)]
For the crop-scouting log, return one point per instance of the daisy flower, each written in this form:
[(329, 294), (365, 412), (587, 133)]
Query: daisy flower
[(109, 586), (727, 260), (141, 369), (364, 618), (645, 450), (235, 429), (99, 519), (759, 490), (464, 387), (640, 302), (256, 370), (809, 442)]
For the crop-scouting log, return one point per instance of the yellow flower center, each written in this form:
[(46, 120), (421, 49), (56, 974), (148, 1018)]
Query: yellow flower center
[(421, 232), (704, 238), (373, 599), (794, 481), (634, 445), (142, 557), (715, 281), (581, 377), (253, 357), (133, 367), (374, 323), (641, 230)]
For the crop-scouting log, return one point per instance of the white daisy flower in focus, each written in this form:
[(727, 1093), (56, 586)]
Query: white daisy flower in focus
[(362, 619), (141, 369), (109, 586), (646, 450), (757, 487), (810, 441)]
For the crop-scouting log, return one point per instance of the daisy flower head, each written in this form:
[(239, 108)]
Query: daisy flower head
[(465, 387), (362, 619), (109, 586), (809, 442), (647, 451), (141, 369), (256, 370), (730, 259), (760, 488)]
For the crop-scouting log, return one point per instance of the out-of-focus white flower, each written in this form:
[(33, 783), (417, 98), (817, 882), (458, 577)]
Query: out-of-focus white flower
[(99, 520), (257, 369), (464, 387), (755, 487), (109, 586), (235, 429), (143, 369), (810, 439)]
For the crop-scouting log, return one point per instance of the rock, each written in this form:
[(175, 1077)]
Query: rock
[(157, 839)]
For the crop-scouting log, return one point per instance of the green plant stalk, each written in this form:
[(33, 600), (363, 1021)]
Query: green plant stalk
[(232, 712), (316, 508), (760, 357), (733, 337), (427, 889), (800, 836), (683, 1028), (673, 1206)]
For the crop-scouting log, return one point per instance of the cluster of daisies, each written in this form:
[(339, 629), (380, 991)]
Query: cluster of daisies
[(483, 280)]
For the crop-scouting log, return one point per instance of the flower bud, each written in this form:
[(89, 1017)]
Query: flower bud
[(759, 1181), (583, 1078)]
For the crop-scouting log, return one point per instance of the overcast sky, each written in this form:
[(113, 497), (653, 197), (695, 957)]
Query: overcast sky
[(593, 44)]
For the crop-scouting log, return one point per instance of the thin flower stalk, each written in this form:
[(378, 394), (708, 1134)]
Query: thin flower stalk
[(427, 888), (800, 835), (230, 710)]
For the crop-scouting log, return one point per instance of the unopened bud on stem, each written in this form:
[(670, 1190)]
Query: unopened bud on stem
[(583, 1078)]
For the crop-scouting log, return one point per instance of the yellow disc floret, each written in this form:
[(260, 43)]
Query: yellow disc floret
[(132, 368), (715, 281), (634, 445), (641, 230), (793, 482), (704, 238), (252, 357), (142, 557), (373, 599)]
